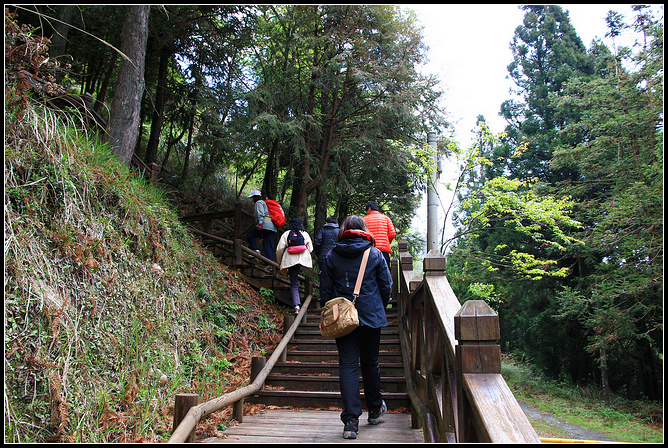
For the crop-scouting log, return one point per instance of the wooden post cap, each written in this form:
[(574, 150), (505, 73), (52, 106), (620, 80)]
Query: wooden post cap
[(434, 263), (476, 321), (477, 330), (406, 263)]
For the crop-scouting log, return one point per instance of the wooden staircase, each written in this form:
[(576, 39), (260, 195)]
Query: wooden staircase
[(309, 376)]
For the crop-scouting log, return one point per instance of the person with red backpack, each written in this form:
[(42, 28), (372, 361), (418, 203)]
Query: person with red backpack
[(294, 251), (264, 228)]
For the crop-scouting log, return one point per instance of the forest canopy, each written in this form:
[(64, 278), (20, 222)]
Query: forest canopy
[(319, 107)]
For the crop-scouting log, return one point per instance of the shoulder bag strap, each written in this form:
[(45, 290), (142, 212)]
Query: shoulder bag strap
[(360, 275)]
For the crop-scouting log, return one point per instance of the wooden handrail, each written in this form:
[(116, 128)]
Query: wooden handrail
[(238, 214), (249, 251), (453, 363), (196, 413)]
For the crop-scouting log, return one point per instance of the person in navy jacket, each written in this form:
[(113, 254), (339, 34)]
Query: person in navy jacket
[(325, 240), (362, 346)]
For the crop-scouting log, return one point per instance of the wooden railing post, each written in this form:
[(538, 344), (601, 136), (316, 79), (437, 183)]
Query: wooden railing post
[(394, 272), (434, 263), (237, 221), (182, 404), (288, 320), (238, 252), (477, 331), (257, 364), (238, 411), (155, 169), (406, 259)]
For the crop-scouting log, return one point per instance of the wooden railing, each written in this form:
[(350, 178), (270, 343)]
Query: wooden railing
[(241, 223), (187, 412), (453, 362)]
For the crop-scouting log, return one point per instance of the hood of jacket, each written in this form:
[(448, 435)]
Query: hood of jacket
[(351, 247)]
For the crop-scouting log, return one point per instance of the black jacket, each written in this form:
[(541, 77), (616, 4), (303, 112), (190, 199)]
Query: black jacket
[(325, 240)]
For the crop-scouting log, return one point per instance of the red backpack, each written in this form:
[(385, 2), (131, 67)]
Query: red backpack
[(276, 212)]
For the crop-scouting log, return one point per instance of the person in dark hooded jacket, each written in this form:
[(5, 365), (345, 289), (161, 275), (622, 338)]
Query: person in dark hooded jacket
[(362, 346), (325, 240)]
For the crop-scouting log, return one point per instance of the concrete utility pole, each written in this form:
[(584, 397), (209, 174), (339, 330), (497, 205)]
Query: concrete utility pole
[(432, 198)]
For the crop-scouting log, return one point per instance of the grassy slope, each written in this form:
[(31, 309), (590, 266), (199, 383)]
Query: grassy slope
[(622, 419), (111, 307)]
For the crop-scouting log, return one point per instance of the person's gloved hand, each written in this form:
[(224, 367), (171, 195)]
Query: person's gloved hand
[(259, 227)]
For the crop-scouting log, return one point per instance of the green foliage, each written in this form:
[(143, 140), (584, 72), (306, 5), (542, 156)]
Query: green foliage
[(328, 115), (547, 52), (319, 106), (520, 207), (223, 317), (570, 198), (267, 295), (620, 301)]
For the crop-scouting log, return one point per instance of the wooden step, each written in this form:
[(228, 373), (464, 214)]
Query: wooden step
[(310, 379), (319, 399), (327, 382), (315, 310), (332, 368), (310, 344), (332, 355), (312, 326)]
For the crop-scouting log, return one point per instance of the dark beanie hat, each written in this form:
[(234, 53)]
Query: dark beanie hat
[(296, 223)]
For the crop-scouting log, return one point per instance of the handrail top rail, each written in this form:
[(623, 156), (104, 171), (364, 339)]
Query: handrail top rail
[(504, 421)]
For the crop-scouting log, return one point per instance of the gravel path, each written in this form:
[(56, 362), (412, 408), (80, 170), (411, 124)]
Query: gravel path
[(547, 425)]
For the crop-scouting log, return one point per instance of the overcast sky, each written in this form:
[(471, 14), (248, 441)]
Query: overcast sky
[(469, 51)]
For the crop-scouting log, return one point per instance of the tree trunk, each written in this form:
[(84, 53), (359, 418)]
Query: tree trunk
[(188, 147), (159, 111), (648, 376), (320, 209), (60, 30), (126, 106), (605, 387), (270, 181)]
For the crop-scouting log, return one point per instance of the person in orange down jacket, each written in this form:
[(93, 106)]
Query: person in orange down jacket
[(382, 229)]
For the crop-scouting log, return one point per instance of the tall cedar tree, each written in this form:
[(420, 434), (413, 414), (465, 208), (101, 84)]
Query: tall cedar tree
[(617, 292), (604, 321), (124, 120)]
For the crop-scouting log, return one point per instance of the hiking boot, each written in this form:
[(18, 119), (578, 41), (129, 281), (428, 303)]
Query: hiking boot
[(296, 310), (351, 429), (376, 413), (256, 251)]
